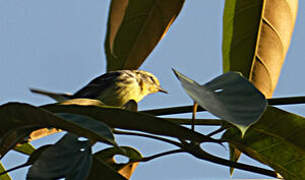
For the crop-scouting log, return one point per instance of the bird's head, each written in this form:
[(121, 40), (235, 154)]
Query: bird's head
[(148, 82)]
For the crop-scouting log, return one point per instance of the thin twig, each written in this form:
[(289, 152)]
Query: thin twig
[(195, 107), (145, 135), (219, 130), (199, 153), (189, 109), (207, 122), (145, 159)]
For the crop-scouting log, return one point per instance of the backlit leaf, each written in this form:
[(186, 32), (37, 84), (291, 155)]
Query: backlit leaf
[(256, 37), (135, 28)]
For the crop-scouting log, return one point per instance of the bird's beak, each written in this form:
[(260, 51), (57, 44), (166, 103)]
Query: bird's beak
[(162, 90)]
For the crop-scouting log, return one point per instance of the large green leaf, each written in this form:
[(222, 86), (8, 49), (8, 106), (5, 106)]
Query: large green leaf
[(135, 28), (256, 37), (69, 157), (277, 140), (19, 120), (229, 96), (118, 118)]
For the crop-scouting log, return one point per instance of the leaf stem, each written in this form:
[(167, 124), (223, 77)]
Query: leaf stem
[(189, 109)]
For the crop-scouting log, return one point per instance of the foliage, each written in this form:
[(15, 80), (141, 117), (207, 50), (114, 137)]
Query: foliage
[(256, 36)]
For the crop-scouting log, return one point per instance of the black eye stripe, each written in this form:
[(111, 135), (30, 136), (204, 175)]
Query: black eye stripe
[(152, 79)]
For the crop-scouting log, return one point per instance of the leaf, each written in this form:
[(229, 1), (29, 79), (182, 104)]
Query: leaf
[(34, 156), (276, 140), (229, 97), (19, 120), (25, 148), (125, 169), (90, 124), (13, 137), (69, 158), (100, 170), (118, 118), (234, 156), (40, 133), (256, 37), (135, 28), (4, 176)]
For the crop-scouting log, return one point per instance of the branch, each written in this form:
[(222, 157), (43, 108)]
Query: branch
[(207, 122), (199, 153), (189, 109), (146, 135), (145, 159)]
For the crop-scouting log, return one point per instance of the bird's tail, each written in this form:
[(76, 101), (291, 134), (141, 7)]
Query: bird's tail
[(59, 97)]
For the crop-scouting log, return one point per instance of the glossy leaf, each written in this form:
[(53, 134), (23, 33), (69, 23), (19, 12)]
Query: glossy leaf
[(118, 118), (69, 158), (19, 120), (125, 169), (277, 140), (135, 28), (256, 37), (229, 97)]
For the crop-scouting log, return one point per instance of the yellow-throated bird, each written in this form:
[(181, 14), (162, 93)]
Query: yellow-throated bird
[(114, 88)]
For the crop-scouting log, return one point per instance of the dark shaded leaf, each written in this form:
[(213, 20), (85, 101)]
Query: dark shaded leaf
[(69, 158), (125, 169), (90, 124), (229, 97), (256, 37), (134, 29), (101, 171), (19, 120), (276, 140), (34, 156), (13, 137), (118, 118)]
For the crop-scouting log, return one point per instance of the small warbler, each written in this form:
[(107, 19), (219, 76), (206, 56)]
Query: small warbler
[(114, 88)]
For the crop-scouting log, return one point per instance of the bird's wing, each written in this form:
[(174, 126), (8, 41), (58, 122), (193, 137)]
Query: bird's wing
[(98, 85)]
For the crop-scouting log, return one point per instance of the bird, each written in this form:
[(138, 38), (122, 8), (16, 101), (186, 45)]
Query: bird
[(114, 88)]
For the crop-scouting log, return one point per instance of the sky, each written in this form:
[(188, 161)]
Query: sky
[(59, 46)]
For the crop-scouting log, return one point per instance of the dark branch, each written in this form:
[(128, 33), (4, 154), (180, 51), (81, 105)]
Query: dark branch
[(207, 122), (189, 109), (196, 151), (146, 135), (199, 153), (145, 159)]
